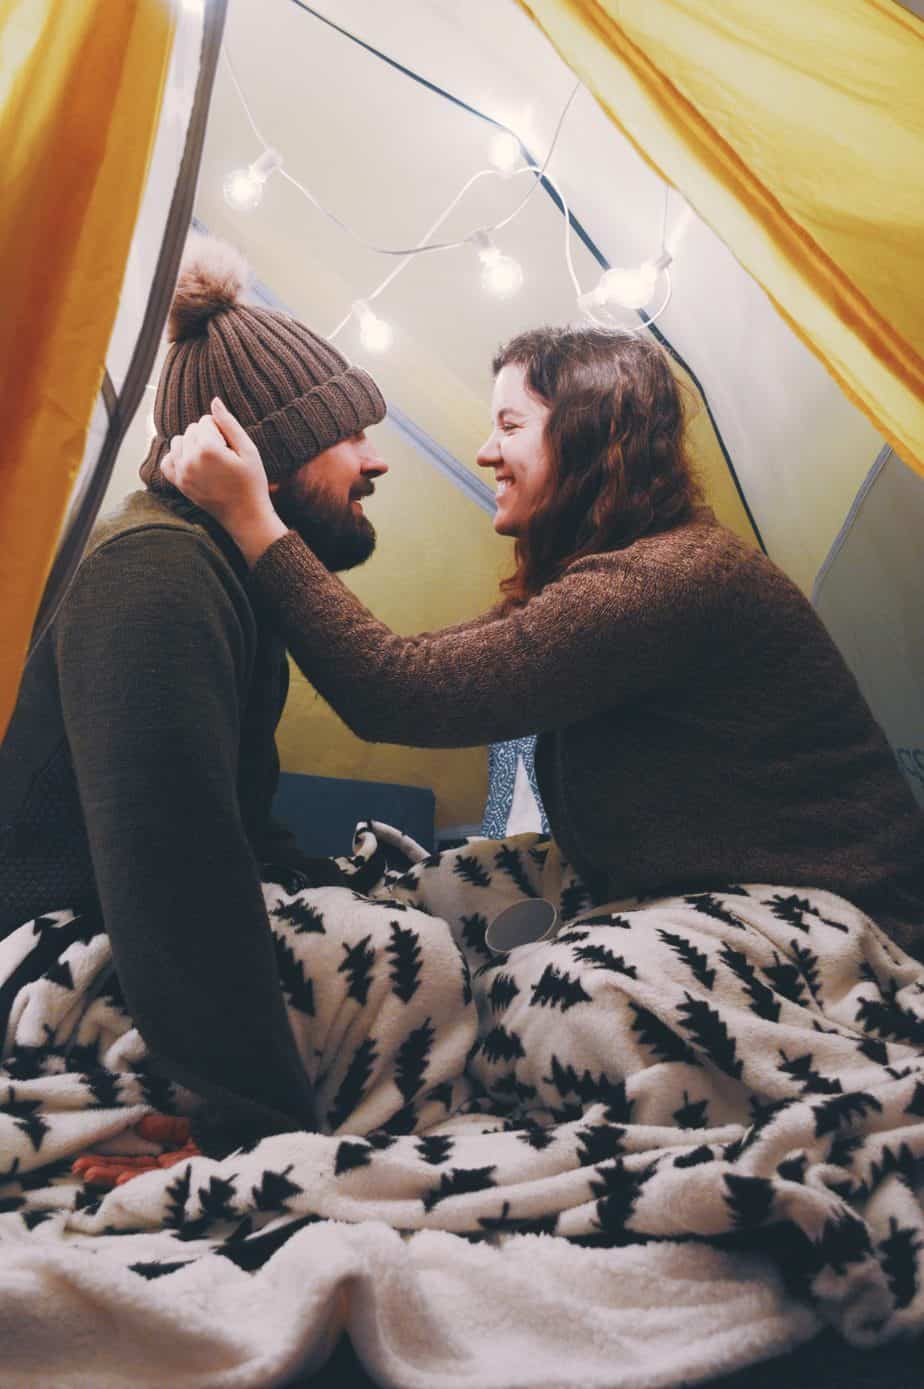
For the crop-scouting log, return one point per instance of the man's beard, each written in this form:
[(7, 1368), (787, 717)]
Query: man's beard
[(339, 537)]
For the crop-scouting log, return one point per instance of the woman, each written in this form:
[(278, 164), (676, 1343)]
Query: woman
[(697, 725)]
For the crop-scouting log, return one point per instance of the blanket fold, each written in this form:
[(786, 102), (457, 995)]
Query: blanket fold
[(725, 1089)]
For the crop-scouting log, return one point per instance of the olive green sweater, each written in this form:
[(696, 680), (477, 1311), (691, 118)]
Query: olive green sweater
[(697, 725), (137, 777)]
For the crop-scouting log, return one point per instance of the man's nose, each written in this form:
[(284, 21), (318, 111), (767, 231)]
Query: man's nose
[(373, 464), (489, 453)]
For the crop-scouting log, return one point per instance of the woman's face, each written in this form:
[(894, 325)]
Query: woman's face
[(516, 450)]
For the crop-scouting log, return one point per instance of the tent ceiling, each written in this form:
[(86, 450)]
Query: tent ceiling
[(386, 155)]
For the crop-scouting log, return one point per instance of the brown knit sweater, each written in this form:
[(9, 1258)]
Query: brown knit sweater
[(697, 725)]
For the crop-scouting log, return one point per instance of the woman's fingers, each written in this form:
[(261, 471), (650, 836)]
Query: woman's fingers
[(205, 435), (216, 465), (231, 428), (193, 452), (218, 434)]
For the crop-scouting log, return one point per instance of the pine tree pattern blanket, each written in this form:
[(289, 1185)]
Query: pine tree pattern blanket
[(676, 1139)]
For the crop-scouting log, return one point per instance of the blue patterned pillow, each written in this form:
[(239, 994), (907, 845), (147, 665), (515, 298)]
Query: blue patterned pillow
[(503, 813)]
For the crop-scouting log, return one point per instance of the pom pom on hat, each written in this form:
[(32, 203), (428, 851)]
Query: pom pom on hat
[(213, 277)]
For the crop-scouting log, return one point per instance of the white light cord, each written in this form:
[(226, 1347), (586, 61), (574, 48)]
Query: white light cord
[(409, 256), (424, 244), (569, 260), (243, 100), (667, 198), (545, 163), (537, 174), (592, 304)]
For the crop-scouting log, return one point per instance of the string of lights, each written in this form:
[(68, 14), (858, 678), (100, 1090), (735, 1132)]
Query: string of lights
[(619, 288), (672, 239)]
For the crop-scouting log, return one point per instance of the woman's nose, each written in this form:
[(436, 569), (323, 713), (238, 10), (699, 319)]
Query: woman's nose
[(489, 453)]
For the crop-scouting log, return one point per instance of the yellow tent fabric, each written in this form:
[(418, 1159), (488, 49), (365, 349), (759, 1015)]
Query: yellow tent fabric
[(80, 94), (796, 130)]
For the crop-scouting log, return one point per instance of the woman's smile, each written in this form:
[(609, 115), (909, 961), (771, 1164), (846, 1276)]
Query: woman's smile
[(516, 450)]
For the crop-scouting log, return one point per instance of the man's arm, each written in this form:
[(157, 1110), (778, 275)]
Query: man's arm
[(152, 658)]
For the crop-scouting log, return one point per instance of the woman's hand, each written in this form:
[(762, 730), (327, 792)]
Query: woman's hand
[(217, 466)]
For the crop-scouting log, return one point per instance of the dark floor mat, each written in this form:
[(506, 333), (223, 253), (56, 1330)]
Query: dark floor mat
[(826, 1362)]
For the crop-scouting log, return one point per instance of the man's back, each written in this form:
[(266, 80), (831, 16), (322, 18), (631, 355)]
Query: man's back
[(138, 773), (44, 853)]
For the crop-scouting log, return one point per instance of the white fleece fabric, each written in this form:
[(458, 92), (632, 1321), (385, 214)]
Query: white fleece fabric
[(677, 1139)]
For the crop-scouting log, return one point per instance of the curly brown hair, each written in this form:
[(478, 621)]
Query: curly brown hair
[(619, 468)]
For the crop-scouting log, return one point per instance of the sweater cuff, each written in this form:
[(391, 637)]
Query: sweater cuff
[(218, 1132), (282, 566)]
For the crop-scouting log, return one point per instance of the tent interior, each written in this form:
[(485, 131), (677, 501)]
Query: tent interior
[(388, 127), (788, 460)]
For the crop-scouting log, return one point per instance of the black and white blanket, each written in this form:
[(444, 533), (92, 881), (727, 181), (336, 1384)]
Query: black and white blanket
[(676, 1139)]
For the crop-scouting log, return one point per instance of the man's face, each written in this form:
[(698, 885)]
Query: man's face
[(323, 501)]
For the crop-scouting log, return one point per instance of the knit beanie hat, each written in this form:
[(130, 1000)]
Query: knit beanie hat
[(291, 390)]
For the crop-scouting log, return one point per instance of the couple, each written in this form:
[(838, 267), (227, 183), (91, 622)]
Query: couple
[(697, 726)]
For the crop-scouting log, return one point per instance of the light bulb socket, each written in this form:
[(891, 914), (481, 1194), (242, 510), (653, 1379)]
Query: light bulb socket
[(487, 251), (591, 299), (375, 334), (500, 274), (262, 167), (506, 153)]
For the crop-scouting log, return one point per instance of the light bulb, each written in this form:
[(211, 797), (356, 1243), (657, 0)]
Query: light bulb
[(631, 288), (374, 333), (500, 274), (243, 188), (242, 191), (504, 151)]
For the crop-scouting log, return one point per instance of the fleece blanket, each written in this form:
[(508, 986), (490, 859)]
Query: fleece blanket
[(675, 1139)]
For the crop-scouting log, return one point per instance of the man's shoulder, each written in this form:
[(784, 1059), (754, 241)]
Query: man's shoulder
[(141, 512), (174, 540), (151, 560)]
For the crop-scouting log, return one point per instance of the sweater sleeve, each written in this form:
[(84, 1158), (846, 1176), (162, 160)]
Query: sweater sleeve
[(152, 684), (604, 633)]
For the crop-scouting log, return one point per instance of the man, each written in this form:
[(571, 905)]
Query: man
[(140, 766)]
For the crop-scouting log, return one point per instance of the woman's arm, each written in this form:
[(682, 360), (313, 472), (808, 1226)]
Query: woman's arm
[(597, 637), (610, 629)]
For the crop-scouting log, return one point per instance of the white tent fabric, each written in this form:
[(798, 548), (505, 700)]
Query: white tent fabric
[(869, 595), (799, 448)]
